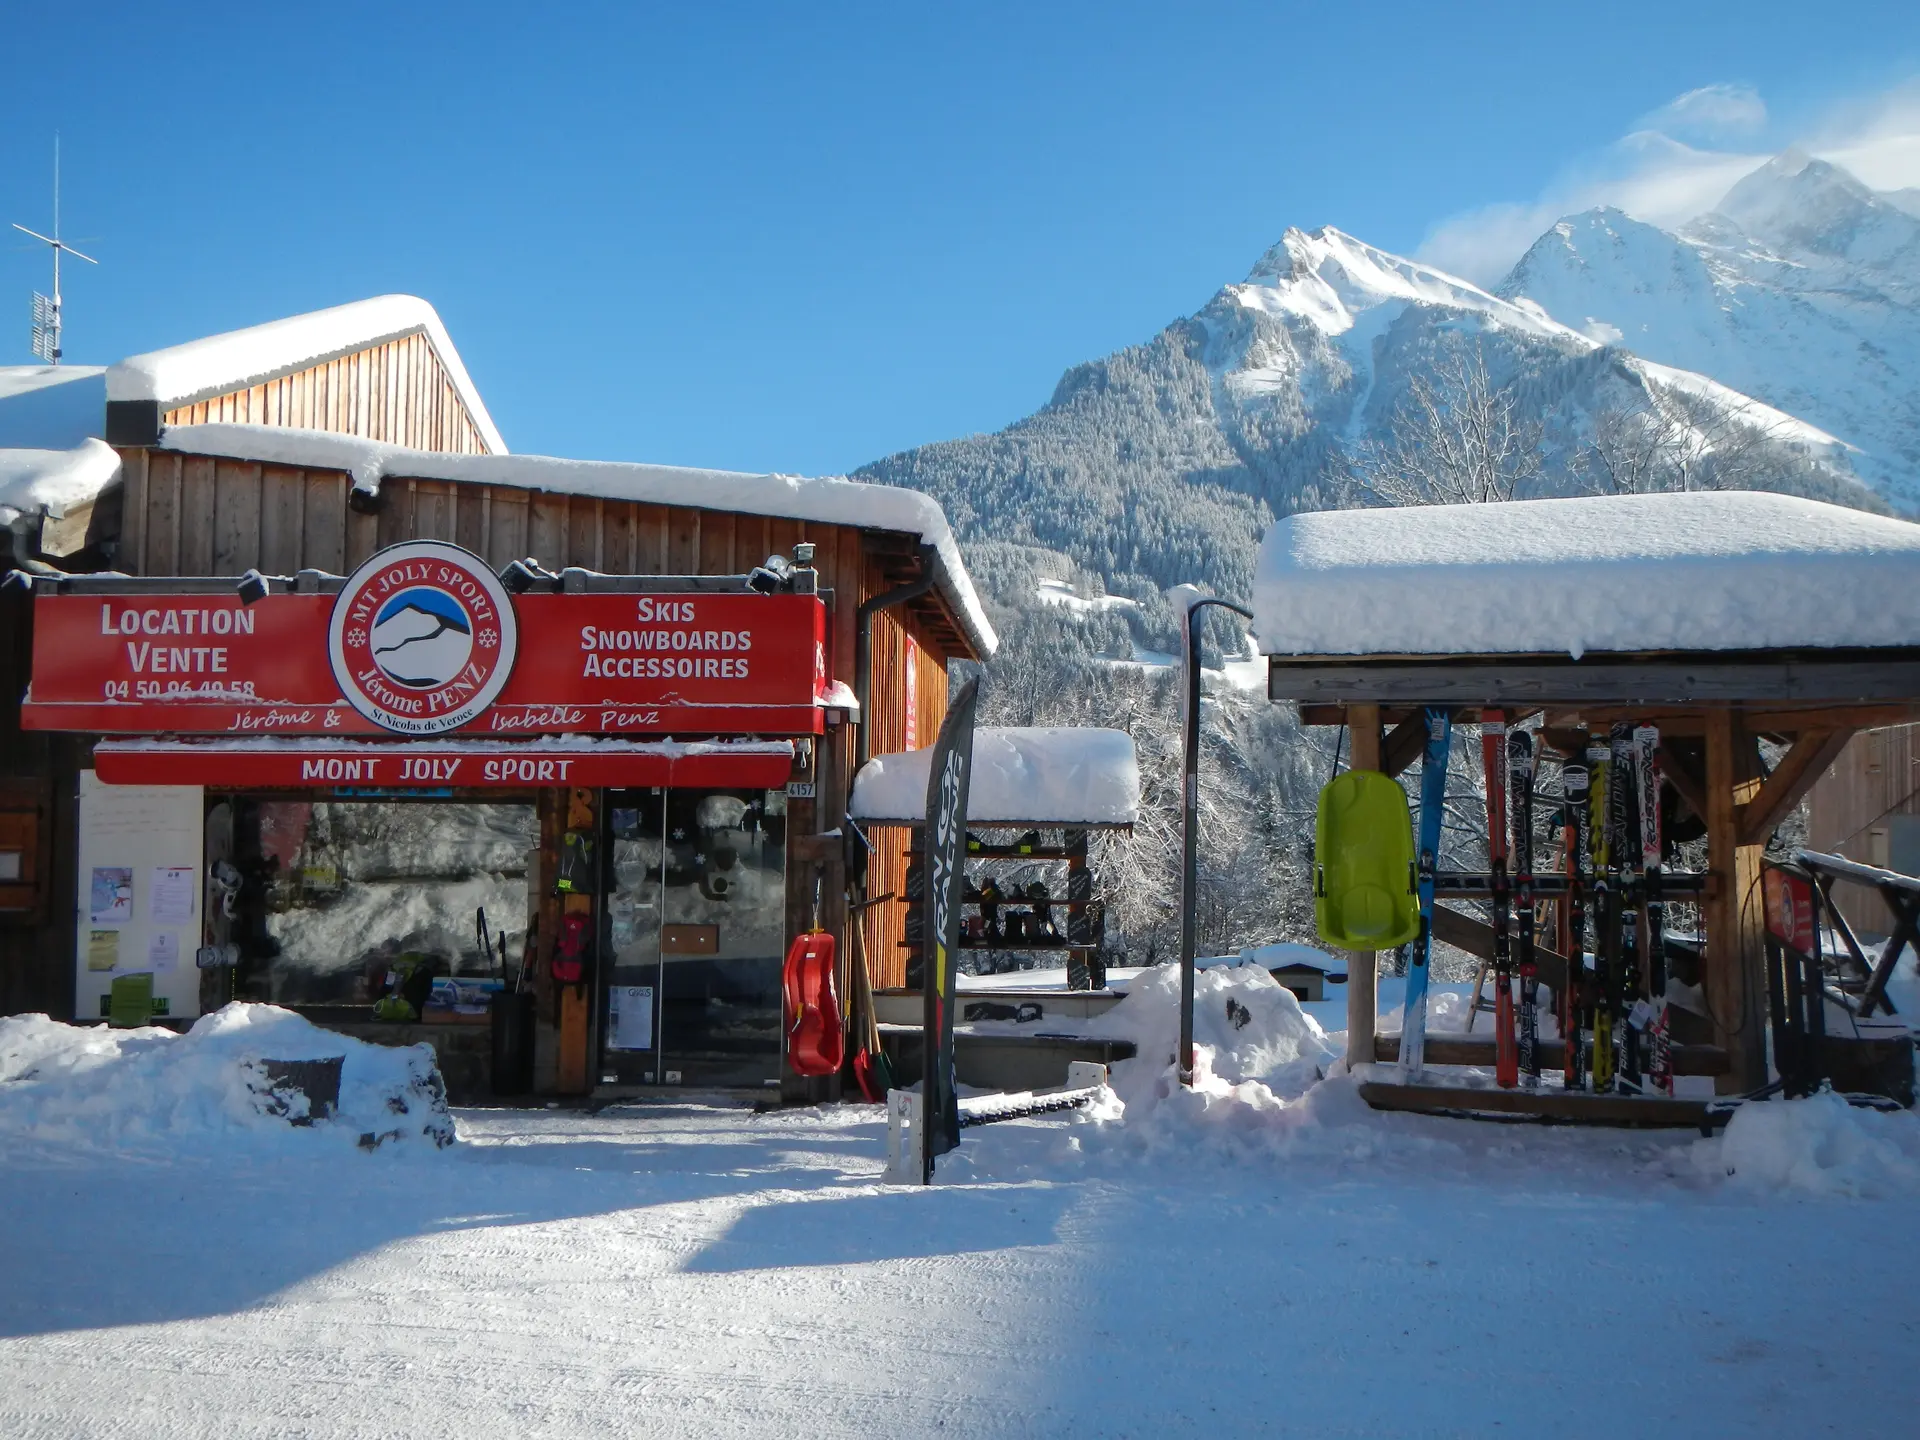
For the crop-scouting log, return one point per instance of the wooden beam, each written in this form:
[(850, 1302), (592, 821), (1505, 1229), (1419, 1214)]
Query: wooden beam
[(1362, 976), (1404, 744), (1474, 936), (1653, 680), (1566, 1105), (1679, 773), (1796, 774), (1479, 1050), (1733, 969)]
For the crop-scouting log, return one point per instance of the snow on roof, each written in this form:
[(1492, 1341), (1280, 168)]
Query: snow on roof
[(200, 369), (56, 479), (1727, 570), (1025, 776), (834, 500), (51, 407)]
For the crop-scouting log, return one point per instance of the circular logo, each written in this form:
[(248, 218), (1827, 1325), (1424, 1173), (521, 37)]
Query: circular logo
[(422, 637)]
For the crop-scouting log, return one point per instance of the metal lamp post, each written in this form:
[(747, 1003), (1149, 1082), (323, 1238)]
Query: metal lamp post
[(1190, 807)]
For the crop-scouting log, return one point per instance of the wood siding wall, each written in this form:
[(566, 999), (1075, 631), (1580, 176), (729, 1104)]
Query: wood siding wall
[(197, 515), (397, 392), (1853, 807), (886, 924)]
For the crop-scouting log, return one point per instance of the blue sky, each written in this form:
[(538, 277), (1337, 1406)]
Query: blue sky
[(801, 237)]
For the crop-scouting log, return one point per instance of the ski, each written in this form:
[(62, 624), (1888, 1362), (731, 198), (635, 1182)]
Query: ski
[(1493, 752), (1630, 1009), (1433, 802), (1603, 911), (1646, 749), (1520, 781), (1574, 1021)]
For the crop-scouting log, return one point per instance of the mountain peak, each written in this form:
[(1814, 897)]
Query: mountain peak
[(1797, 203)]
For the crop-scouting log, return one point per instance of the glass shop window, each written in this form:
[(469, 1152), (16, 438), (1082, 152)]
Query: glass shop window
[(341, 894)]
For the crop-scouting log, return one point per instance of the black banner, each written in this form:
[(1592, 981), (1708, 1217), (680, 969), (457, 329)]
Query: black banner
[(946, 862)]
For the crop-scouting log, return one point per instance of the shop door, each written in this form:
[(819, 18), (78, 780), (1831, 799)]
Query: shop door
[(697, 918)]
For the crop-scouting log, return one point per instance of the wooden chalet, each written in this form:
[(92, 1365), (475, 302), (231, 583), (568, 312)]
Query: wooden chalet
[(305, 450)]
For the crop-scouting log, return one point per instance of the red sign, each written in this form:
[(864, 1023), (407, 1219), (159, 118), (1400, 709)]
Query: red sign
[(290, 764), (425, 646), (1790, 909)]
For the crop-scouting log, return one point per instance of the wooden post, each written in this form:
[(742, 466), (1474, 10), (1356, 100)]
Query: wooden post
[(1362, 981), (1734, 972)]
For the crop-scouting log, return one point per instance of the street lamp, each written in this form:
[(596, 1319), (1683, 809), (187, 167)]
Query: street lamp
[(1190, 807)]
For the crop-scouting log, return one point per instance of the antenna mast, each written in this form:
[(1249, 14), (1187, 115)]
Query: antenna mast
[(46, 313)]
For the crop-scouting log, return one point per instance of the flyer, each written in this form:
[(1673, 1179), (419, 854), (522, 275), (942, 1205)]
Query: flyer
[(170, 894), (103, 949), (163, 951), (110, 898)]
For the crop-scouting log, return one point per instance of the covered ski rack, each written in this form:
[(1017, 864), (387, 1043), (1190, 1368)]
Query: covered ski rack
[(1724, 620)]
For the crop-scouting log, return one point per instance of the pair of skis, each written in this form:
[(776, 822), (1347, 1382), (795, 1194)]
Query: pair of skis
[(1508, 759), (1614, 1020)]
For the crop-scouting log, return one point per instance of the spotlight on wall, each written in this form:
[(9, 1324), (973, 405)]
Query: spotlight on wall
[(365, 501), (773, 577), (252, 587)]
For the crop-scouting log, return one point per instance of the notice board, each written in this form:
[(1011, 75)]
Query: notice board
[(142, 894)]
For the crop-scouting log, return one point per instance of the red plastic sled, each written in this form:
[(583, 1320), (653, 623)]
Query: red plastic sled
[(816, 1045)]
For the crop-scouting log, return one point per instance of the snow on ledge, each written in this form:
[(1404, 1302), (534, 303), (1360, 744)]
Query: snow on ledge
[(201, 369), (1725, 570), (55, 479), (830, 501), (1027, 776)]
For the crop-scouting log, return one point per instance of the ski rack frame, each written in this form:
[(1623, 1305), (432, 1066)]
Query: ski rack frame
[(1471, 885)]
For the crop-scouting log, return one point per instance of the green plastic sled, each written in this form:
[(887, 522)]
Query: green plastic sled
[(1364, 871), (131, 1002)]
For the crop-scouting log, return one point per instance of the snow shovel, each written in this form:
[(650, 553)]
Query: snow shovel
[(870, 1068)]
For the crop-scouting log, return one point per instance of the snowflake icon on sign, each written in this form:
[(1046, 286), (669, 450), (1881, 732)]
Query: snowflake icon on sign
[(487, 639), (356, 637)]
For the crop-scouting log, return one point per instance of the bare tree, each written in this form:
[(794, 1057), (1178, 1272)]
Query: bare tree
[(1458, 439), (1675, 440)]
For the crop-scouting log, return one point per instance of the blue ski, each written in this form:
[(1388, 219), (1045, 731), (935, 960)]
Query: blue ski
[(1433, 804)]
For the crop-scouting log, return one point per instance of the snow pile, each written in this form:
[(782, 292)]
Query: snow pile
[(240, 359), (1250, 1035), (1700, 571), (1028, 775), (55, 479), (94, 1086), (1820, 1145), (51, 407)]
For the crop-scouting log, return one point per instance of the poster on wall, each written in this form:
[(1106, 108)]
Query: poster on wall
[(139, 908), (110, 895)]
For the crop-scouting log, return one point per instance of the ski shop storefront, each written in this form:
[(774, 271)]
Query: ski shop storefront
[(1639, 691), (631, 750)]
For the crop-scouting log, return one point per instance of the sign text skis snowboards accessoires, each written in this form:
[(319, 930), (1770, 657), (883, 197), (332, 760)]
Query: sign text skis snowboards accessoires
[(421, 640), (1493, 754), (1433, 804), (946, 861)]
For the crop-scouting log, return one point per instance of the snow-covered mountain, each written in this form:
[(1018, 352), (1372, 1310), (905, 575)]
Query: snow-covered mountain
[(1164, 462), (1800, 288)]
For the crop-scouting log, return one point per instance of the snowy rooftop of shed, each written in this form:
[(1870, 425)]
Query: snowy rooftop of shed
[(1021, 776), (239, 359), (1728, 570), (827, 500)]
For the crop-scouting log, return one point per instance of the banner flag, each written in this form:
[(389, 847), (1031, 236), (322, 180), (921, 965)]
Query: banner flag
[(945, 889)]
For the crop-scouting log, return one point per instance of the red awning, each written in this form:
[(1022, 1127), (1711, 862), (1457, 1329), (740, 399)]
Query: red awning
[(286, 762)]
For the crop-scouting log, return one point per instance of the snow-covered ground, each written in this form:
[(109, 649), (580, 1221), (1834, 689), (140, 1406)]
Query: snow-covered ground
[(1266, 1256)]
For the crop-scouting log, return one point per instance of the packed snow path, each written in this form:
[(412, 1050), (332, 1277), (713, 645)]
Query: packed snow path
[(691, 1269)]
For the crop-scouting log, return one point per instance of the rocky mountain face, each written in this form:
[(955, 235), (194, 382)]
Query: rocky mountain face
[(1801, 288)]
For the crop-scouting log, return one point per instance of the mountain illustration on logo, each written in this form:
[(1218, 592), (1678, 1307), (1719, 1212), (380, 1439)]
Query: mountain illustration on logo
[(421, 638)]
